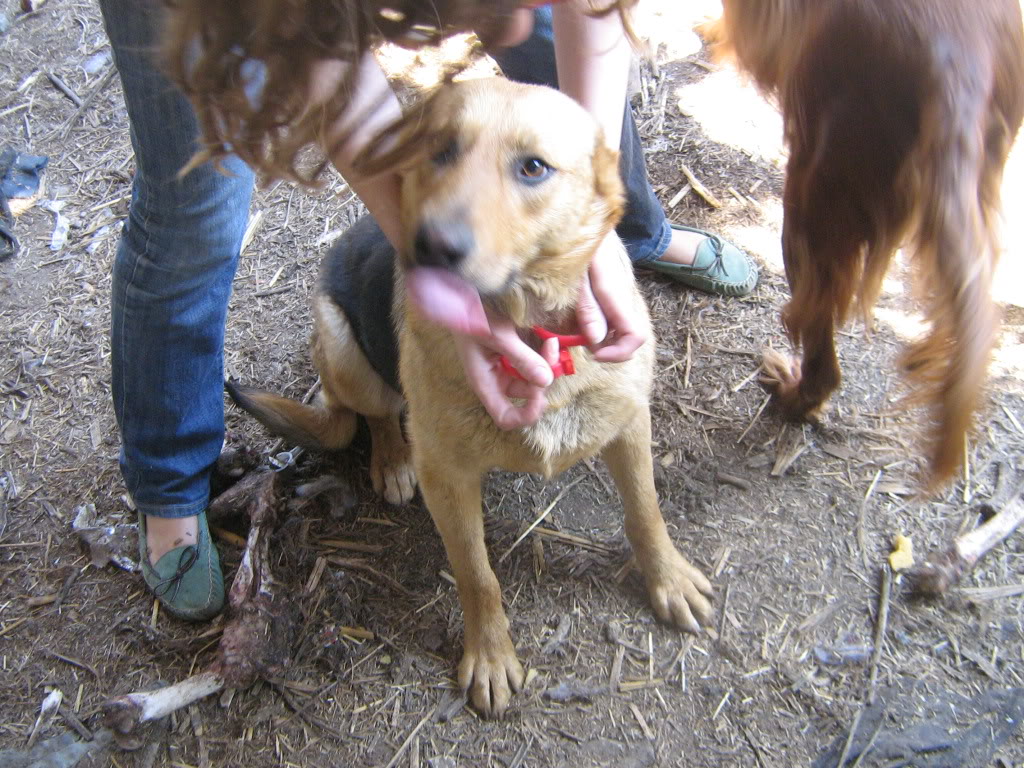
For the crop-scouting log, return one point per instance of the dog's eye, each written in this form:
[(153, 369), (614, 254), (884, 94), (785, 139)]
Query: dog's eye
[(447, 154), (533, 169)]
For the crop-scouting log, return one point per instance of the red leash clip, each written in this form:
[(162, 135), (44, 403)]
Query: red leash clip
[(564, 366)]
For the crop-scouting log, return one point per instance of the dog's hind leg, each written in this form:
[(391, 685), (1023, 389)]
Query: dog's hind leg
[(679, 593), (350, 384), (489, 669), (822, 269)]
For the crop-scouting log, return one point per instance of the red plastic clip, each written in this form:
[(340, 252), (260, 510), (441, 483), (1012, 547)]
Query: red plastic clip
[(565, 365)]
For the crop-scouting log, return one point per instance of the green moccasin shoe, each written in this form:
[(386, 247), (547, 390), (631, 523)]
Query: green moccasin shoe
[(187, 580), (719, 267)]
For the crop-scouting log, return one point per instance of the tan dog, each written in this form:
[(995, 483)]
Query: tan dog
[(511, 190)]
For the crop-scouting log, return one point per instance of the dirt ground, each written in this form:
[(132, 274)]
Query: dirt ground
[(796, 556)]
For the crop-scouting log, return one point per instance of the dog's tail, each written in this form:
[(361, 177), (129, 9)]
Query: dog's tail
[(318, 426), (955, 251)]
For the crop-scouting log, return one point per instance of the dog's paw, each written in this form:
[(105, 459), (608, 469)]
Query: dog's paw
[(396, 482), (391, 471), (782, 376), (780, 373), (680, 594), (491, 673)]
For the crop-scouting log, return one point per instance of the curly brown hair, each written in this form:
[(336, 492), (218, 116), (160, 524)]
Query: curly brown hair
[(211, 46)]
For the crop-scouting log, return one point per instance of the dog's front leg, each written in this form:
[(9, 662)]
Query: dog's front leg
[(489, 669), (679, 592)]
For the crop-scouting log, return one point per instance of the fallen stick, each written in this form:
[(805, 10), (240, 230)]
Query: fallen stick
[(880, 626), (85, 103), (944, 569), (699, 188)]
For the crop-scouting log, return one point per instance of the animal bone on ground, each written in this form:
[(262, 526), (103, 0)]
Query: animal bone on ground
[(945, 568), (257, 636)]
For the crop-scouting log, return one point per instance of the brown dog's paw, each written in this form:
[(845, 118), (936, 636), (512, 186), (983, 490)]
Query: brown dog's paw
[(680, 594), (491, 673), (781, 373), (394, 480), (391, 469), (782, 376)]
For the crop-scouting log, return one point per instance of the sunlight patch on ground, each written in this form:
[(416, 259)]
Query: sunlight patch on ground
[(731, 111), (763, 239), (893, 285), (1008, 358), (1009, 278), (906, 325), (668, 25)]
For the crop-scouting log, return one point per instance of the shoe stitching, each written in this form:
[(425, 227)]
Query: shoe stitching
[(188, 557), (718, 250)]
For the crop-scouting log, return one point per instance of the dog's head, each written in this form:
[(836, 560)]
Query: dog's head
[(509, 187)]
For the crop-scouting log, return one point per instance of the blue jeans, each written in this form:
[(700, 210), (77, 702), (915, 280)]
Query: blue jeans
[(171, 283), (177, 257)]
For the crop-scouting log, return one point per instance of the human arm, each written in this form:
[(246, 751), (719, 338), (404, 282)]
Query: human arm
[(593, 55)]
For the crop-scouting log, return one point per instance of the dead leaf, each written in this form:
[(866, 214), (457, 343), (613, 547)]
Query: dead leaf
[(902, 555)]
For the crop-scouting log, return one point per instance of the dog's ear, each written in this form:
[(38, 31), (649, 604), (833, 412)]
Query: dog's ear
[(608, 185)]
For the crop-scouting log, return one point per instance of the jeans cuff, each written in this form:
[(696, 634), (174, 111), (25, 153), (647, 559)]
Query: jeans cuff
[(173, 510), (644, 251)]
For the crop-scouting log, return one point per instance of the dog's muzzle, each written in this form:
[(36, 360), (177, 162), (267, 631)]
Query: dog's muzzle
[(445, 245)]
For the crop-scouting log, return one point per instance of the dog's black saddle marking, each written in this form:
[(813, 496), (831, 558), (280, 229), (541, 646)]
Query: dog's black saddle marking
[(358, 276)]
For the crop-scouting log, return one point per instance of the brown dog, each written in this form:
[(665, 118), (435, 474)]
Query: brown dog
[(899, 116), (511, 189)]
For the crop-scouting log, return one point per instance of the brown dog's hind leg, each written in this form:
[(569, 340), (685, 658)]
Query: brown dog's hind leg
[(802, 386), (680, 594), (349, 381), (489, 669)]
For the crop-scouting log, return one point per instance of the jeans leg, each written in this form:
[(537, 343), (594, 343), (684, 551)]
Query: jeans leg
[(171, 282), (644, 227)]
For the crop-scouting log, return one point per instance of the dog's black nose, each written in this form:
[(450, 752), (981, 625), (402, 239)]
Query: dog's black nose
[(442, 246)]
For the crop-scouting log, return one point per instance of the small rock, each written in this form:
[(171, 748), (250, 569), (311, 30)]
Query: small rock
[(843, 653), (563, 693), (96, 62), (433, 638)]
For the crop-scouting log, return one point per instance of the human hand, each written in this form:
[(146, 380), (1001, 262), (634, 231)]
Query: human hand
[(494, 386), (605, 312), (481, 338)]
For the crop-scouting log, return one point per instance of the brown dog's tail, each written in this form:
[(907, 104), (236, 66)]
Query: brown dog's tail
[(317, 426), (955, 256)]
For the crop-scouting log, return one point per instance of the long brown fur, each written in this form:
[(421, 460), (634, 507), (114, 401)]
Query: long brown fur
[(211, 47), (899, 116), (531, 245)]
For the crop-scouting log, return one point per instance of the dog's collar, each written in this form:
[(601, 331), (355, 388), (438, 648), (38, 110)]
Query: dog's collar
[(564, 366)]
